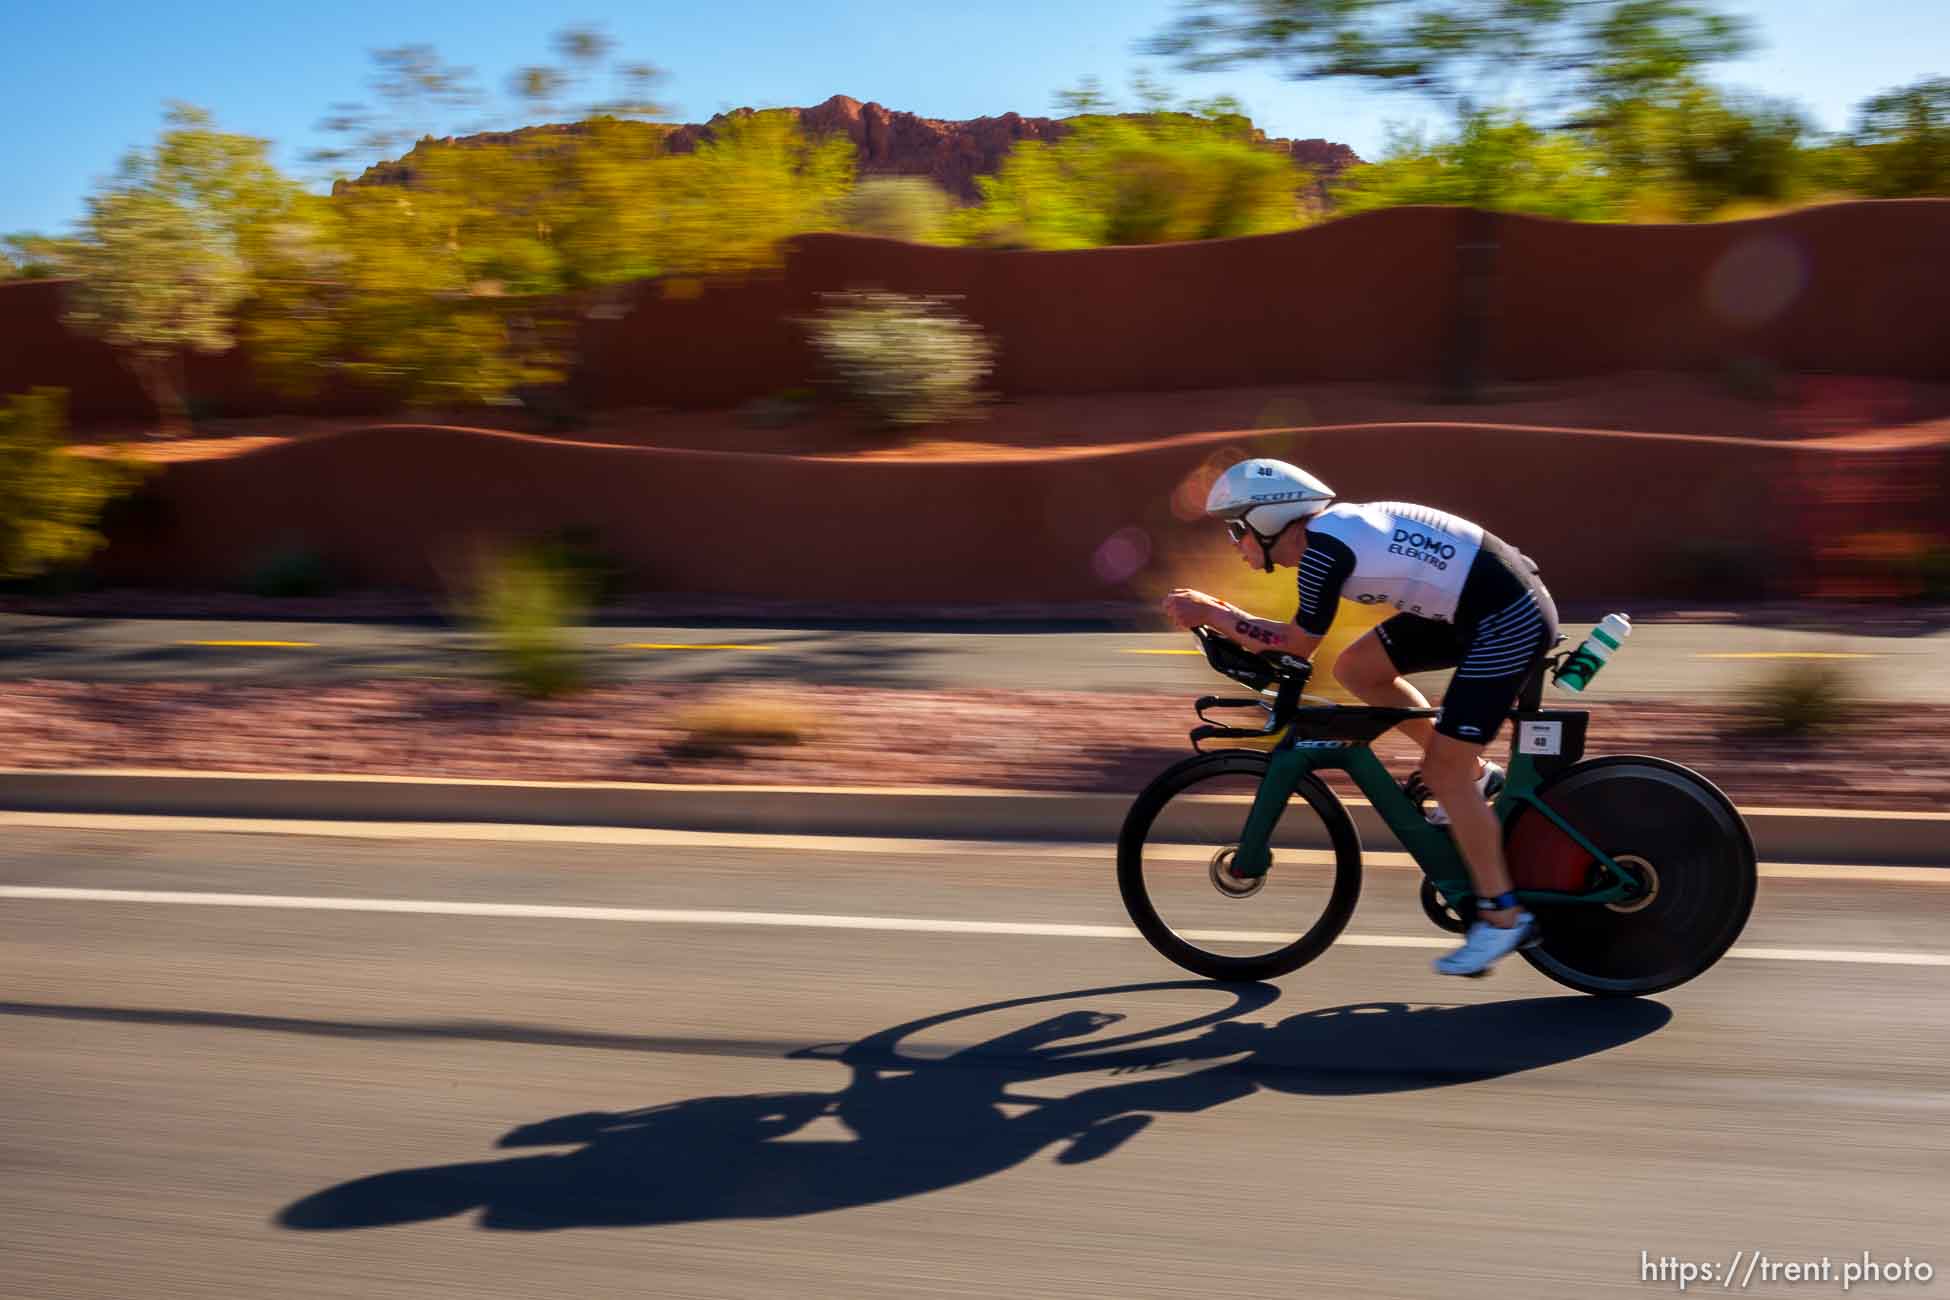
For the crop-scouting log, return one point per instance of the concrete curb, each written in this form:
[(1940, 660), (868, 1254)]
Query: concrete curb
[(1789, 835)]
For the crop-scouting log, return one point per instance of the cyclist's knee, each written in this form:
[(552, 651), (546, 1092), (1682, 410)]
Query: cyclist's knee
[(1364, 666), (1450, 765)]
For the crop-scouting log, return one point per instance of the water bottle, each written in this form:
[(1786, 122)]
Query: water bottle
[(1588, 658)]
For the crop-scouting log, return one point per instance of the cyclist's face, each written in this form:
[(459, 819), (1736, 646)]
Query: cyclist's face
[(1247, 543), (1286, 548)]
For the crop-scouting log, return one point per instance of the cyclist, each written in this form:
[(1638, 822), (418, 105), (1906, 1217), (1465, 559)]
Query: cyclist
[(1463, 600)]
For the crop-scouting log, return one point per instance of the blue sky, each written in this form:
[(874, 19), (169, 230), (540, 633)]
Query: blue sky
[(87, 79)]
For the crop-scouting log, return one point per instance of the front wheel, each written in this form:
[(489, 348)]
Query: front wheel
[(1180, 836), (1687, 848)]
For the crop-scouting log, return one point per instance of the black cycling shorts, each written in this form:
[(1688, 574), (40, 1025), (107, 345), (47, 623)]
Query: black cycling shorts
[(1505, 624)]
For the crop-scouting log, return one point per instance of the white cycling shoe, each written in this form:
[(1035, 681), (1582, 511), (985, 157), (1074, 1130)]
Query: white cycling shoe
[(1486, 944)]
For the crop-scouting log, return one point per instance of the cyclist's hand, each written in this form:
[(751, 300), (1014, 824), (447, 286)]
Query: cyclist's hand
[(1189, 609)]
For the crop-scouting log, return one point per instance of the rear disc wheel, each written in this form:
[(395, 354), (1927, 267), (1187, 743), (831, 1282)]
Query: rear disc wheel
[(1689, 854)]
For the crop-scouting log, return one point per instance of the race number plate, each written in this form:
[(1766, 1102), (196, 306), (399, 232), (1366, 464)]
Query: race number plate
[(1540, 737)]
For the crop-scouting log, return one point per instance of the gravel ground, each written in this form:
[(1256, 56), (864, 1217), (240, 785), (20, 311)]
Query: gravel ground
[(1880, 757)]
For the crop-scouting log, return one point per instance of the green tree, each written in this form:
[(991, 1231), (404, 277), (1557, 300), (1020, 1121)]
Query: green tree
[(456, 273), (161, 261), (759, 180), (1469, 53), (50, 499), (1686, 151), (1579, 56), (1904, 139), (30, 257), (414, 294), (418, 91), (1503, 165), (1154, 177)]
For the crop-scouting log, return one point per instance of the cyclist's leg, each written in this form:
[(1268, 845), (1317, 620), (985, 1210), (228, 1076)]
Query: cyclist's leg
[(1450, 769), (1504, 649), (1375, 667)]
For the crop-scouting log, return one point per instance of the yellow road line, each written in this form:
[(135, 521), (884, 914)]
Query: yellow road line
[(254, 645), (1786, 654), (687, 645)]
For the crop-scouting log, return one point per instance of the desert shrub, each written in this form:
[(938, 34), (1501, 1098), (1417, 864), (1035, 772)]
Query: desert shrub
[(51, 500), (910, 208), (1801, 697), (528, 604), (579, 554), (908, 360), (290, 571), (721, 728)]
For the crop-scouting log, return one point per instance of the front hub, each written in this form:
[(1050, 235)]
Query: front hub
[(1230, 885)]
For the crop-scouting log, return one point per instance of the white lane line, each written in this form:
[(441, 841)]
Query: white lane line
[(816, 921), (650, 837)]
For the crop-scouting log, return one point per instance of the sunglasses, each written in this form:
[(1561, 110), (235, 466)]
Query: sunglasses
[(1237, 529)]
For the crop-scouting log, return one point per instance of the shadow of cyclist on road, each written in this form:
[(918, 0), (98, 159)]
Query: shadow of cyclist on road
[(909, 1122)]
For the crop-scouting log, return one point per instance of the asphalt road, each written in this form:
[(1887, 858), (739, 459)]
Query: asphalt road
[(1695, 660), (827, 1094)]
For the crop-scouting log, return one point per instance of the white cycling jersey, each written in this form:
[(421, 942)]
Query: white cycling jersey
[(1411, 557)]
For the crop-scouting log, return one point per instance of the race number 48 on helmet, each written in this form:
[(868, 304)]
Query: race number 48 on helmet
[(1266, 497)]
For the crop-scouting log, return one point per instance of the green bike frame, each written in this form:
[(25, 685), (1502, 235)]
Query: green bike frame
[(1432, 847)]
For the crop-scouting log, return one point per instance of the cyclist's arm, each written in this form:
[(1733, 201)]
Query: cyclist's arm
[(1324, 570), (1269, 634)]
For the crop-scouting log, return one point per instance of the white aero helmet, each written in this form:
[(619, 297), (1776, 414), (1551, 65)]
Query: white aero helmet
[(1267, 495)]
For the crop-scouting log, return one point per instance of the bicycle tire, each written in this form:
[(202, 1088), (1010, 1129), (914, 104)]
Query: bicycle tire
[(1141, 888), (1701, 856)]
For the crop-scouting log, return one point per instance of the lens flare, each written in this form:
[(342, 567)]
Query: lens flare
[(1756, 280), (1122, 555)]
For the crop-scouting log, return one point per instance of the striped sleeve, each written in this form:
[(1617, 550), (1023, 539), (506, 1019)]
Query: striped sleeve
[(1324, 570)]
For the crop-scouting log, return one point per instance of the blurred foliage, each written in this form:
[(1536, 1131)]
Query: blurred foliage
[(730, 206), (163, 257), (1159, 176), (51, 500), (910, 208), (1503, 165), (1902, 142), (722, 728), (578, 552), (410, 293), (1801, 697), (466, 284), (1465, 52), (908, 360), (528, 603), (29, 257), (1687, 152)]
